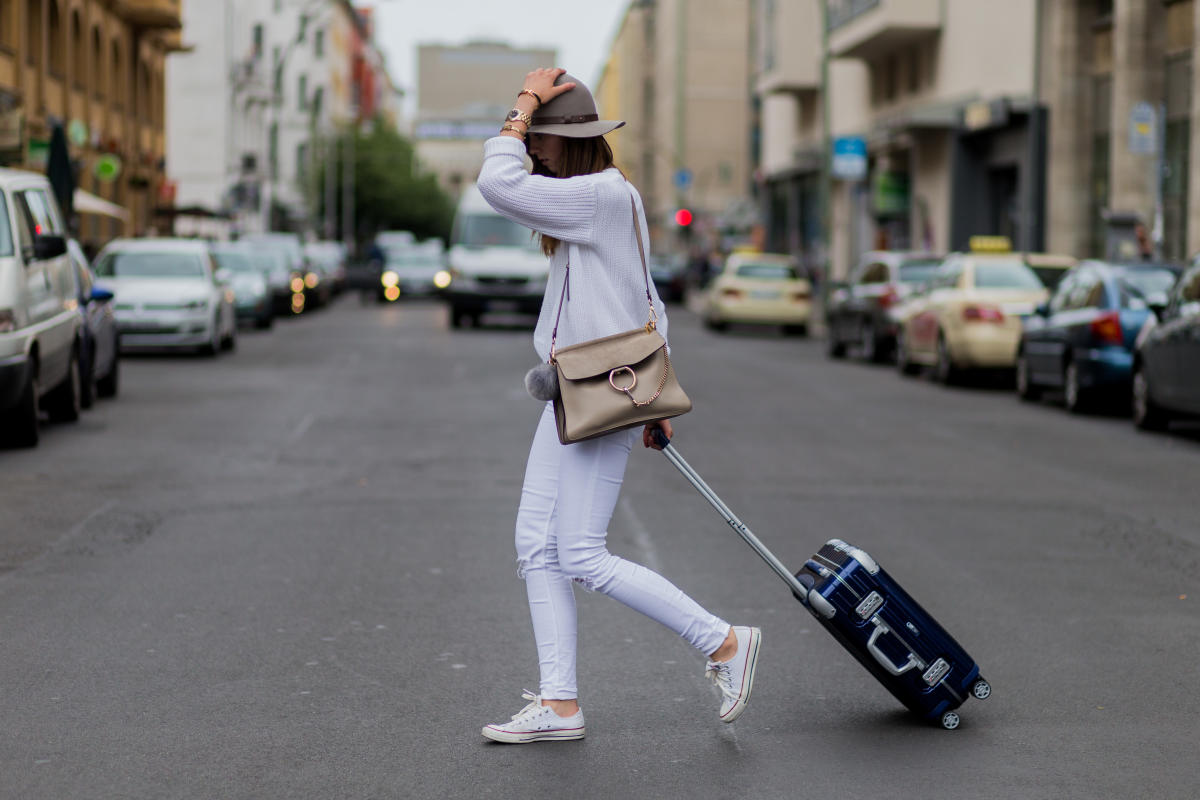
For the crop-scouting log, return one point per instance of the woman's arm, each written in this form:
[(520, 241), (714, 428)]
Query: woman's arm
[(564, 208)]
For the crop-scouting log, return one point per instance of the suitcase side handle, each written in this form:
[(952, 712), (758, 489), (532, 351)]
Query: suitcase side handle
[(880, 629)]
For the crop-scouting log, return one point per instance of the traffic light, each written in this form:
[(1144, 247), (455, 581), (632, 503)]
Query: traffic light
[(683, 217)]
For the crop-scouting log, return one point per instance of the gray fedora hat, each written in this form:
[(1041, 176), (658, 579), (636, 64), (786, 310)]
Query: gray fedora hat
[(573, 113)]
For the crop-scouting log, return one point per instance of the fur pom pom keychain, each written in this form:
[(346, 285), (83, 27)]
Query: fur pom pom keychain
[(542, 382)]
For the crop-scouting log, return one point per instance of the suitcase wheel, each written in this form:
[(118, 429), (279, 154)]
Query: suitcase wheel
[(950, 720), (981, 689)]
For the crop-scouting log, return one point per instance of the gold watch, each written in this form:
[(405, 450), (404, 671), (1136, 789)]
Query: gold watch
[(517, 115)]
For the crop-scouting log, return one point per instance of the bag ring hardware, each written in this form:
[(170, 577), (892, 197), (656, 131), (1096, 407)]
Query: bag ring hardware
[(626, 389)]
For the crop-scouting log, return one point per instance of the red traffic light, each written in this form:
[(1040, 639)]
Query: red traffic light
[(683, 217)]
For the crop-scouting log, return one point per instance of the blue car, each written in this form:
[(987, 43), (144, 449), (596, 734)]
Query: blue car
[(1082, 340), (1166, 365)]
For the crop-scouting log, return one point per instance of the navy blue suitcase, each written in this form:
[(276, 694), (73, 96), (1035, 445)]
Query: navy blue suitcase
[(872, 616), (889, 633)]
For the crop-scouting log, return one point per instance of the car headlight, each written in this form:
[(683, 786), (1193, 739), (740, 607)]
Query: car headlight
[(311, 280), (389, 278), (297, 284), (443, 278)]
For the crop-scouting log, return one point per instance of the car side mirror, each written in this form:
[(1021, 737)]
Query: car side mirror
[(101, 295), (48, 246)]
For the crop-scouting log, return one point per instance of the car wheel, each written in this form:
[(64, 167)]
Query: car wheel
[(63, 402), (795, 330), (1147, 415), (456, 317), (1026, 388), (107, 386), (944, 371), (213, 345), (265, 322), (87, 379), (21, 423), (715, 325), (1075, 397), (834, 347)]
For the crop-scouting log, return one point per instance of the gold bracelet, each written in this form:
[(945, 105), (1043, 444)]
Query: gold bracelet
[(532, 94), (510, 127)]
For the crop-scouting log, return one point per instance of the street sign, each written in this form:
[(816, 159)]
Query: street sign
[(683, 178), (1143, 130), (849, 158)]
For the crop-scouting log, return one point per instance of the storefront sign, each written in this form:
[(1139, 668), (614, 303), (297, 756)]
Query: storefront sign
[(77, 132), (107, 168), (1143, 130), (38, 154), (849, 158), (889, 194)]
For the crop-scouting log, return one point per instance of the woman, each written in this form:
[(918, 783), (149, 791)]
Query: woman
[(579, 203)]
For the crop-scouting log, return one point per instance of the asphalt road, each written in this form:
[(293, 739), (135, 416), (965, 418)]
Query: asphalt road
[(288, 572)]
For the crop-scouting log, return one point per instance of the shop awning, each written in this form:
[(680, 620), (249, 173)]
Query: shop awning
[(88, 203)]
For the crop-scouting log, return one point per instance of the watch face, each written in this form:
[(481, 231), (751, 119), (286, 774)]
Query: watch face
[(512, 115)]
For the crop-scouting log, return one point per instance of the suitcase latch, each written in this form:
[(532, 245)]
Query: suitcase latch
[(869, 605), (939, 669)]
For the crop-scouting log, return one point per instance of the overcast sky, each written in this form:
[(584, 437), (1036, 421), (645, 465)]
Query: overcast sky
[(580, 30)]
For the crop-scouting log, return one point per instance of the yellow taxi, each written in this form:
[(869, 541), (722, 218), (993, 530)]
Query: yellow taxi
[(970, 314), (759, 289)]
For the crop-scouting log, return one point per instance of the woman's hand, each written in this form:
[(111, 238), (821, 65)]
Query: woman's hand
[(648, 432), (541, 82)]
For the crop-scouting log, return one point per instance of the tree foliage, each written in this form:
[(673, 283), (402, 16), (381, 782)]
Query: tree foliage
[(391, 192)]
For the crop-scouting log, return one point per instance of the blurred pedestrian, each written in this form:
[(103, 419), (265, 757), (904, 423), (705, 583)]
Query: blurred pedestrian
[(1145, 244), (579, 203)]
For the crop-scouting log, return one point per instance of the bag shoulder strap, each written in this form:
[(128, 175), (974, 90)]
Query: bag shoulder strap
[(565, 293)]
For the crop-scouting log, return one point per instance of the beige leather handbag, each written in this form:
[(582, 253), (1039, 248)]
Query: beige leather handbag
[(617, 381)]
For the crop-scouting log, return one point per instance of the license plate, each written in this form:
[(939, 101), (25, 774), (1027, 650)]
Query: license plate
[(1018, 309), (765, 294)]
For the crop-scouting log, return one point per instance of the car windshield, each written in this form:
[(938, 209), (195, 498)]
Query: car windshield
[(1049, 276), (149, 264), (1142, 286), (778, 272), (489, 230), (917, 271), (1005, 275), (236, 262)]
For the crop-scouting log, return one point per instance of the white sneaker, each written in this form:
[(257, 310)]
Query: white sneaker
[(536, 723), (735, 677)]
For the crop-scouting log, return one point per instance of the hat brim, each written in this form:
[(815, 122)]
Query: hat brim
[(578, 130)]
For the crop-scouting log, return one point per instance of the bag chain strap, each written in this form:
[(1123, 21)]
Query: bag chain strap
[(651, 320), (628, 390)]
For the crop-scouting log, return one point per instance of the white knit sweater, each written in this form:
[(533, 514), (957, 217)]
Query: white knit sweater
[(590, 216)]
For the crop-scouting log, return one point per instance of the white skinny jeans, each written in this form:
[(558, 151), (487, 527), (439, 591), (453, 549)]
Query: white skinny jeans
[(568, 498)]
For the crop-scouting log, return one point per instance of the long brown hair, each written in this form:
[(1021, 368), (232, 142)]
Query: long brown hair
[(579, 157)]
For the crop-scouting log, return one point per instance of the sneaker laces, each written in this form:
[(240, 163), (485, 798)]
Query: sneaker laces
[(721, 673), (533, 709)]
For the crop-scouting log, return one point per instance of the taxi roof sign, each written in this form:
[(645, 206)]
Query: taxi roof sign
[(990, 244)]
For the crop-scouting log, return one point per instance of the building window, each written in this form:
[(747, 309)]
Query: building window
[(97, 64), (1176, 153), (8, 10), (302, 163), (302, 90), (58, 53), (1101, 159), (319, 43), (118, 77), (273, 152), (78, 51), (914, 71), (33, 32), (256, 38)]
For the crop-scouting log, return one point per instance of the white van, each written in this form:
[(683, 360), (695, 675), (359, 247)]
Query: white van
[(39, 311), (494, 263)]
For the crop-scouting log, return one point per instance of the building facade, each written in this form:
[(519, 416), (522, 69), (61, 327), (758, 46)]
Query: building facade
[(679, 74), (463, 95), (96, 67), (255, 104)]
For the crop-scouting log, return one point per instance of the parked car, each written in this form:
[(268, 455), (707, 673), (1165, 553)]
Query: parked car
[(99, 352), (760, 289), (857, 312), (1166, 361), (39, 324), (169, 294), (969, 316), (669, 273), (304, 289), (1082, 340), (411, 270), (248, 276)]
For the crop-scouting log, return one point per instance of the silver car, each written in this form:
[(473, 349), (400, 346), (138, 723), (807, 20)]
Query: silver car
[(169, 294)]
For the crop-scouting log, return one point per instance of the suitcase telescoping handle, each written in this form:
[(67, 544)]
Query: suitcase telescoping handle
[(660, 438)]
